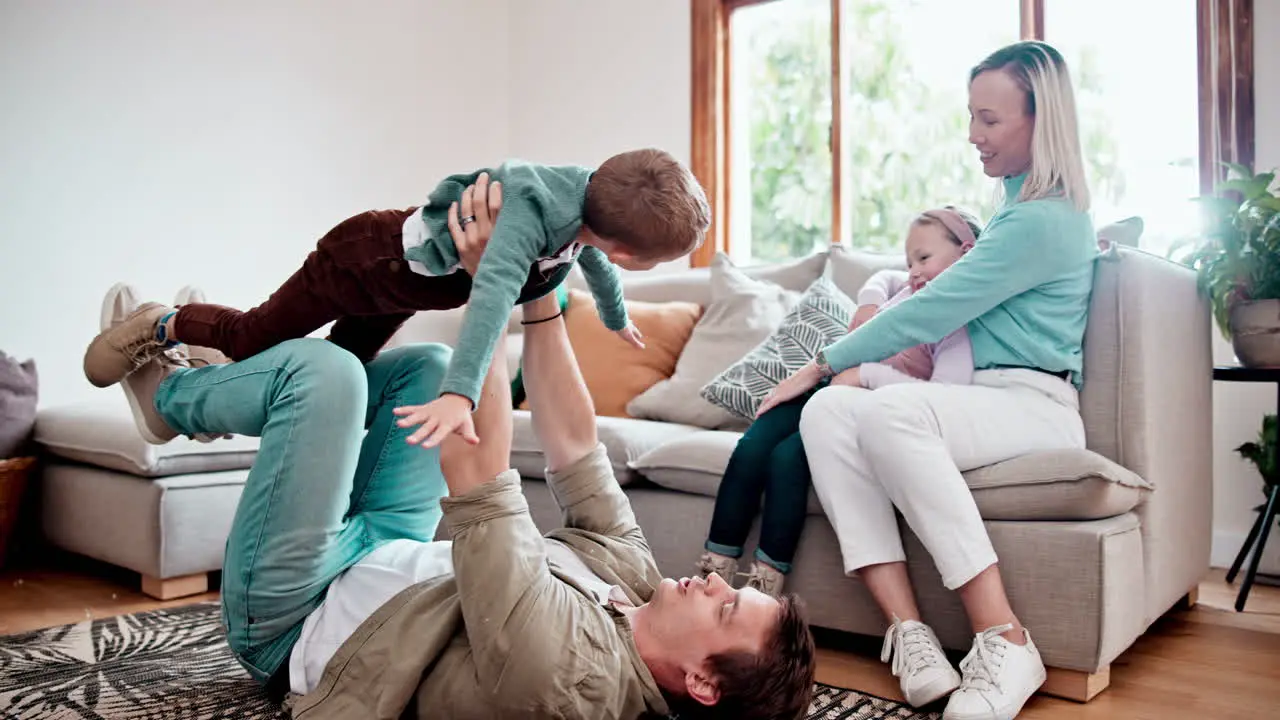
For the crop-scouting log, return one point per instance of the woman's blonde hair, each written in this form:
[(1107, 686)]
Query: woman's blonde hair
[(1057, 164)]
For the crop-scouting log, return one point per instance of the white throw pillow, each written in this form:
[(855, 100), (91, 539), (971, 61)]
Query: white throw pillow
[(821, 317), (742, 313)]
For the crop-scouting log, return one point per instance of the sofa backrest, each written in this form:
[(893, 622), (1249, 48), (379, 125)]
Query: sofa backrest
[(1147, 360)]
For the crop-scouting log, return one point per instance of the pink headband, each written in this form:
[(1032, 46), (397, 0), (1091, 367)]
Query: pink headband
[(953, 221)]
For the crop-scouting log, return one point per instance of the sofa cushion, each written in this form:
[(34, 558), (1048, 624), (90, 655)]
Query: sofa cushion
[(742, 313), (1056, 485), (820, 318), (625, 439), (850, 269), (695, 464), (106, 436)]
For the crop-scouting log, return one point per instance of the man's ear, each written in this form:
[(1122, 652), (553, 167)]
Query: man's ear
[(702, 686)]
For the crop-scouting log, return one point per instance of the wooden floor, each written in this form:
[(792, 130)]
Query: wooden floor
[(1207, 662)]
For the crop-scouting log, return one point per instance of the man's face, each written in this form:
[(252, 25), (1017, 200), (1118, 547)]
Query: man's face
[(693, 619)]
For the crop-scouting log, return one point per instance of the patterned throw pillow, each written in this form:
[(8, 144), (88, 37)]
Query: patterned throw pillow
[(821, 317)]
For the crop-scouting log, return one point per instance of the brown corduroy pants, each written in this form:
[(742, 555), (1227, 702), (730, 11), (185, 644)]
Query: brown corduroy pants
[(358, 279)]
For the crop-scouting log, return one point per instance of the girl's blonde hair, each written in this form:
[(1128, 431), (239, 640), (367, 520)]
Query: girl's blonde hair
[(1057, 164)]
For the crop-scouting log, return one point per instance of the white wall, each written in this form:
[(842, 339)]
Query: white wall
[(176, 142), (591, 78), (1238, 407)]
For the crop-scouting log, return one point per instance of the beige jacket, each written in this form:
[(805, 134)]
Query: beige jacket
[(509, 635)]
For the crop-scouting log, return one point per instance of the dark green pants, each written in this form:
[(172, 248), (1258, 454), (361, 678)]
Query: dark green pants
[(768, 464)]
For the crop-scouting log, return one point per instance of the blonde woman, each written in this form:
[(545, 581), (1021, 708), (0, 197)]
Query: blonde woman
[(1023, 294)]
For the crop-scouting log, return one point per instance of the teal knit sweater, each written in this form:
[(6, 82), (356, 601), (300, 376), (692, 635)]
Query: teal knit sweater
[(541, 214), (1022, 291)]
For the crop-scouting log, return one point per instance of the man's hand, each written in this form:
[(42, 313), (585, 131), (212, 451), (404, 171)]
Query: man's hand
[(632, 335), (862, 315), (851, 377), (446, 414), (481, 201)]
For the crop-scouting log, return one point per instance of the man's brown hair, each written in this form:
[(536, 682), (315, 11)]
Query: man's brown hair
[(775, 683), (648, 203)]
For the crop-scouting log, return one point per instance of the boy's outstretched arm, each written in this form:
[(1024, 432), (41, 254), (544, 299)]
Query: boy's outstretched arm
[(605, 282), (495, 286)]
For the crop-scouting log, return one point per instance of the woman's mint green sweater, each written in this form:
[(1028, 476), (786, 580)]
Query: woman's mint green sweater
[(1023, 291)]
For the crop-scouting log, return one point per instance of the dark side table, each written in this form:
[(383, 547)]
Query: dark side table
[(1257, 539)]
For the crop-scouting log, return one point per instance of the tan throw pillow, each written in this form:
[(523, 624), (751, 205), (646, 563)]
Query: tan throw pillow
[(616, 372)]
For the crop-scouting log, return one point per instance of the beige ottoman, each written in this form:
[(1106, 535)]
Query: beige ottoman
[(162, 511)]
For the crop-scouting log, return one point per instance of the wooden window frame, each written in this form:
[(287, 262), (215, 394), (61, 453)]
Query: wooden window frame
[(1225, 77)]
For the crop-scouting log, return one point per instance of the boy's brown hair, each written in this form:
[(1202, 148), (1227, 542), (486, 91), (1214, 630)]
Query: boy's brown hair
[(649, 203)]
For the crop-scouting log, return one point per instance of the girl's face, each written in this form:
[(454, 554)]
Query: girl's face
[(999, 125), (930, 250)]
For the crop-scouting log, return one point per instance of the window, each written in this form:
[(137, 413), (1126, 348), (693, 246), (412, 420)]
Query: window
[(819, 121), (1137, 100)]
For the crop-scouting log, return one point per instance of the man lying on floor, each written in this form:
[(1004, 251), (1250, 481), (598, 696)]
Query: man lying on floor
[(577, 625)]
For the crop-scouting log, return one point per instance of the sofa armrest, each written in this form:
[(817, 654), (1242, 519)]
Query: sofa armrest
[(1148, 404)]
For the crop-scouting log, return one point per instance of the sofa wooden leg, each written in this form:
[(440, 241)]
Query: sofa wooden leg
[(175, 587), (1189, 600), (1075, 685)]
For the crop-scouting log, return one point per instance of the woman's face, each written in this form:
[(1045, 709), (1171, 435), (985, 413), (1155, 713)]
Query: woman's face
[(999, 125)]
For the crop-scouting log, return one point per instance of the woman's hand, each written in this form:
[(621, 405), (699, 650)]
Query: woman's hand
[(480, 205), (804, 380)]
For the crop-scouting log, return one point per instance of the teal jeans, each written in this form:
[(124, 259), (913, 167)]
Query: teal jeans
[(333, 478)]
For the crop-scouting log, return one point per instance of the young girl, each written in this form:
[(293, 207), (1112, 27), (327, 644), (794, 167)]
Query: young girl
[(769, 459)]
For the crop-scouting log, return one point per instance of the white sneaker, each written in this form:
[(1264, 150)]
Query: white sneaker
[(918, 662), (999, 678)]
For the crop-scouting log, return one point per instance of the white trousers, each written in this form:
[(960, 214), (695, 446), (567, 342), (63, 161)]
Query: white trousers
[(905, 445)]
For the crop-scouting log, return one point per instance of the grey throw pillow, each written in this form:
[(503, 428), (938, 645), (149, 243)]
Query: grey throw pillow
[(18, 390), (820, 318)]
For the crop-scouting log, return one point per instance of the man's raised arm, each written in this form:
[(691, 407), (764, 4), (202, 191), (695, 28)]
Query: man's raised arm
[(578, 469)]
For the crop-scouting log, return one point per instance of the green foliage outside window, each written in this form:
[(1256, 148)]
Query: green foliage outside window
[(906, 140)]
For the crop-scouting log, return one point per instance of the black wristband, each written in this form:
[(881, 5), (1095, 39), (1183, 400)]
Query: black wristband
[(545, 319)]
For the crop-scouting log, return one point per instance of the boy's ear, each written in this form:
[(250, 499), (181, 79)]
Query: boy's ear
[(618, 252)]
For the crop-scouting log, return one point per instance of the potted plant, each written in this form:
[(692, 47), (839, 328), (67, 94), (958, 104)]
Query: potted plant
[(1263, 454), (1237, 263)]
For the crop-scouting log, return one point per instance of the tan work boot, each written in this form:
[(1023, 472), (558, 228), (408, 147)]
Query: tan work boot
[(765, 578), (722, 565), (127, 351), (128, 339)]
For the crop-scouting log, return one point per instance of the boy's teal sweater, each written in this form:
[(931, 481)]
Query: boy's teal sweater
[(541, 214), (1023, 291)]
